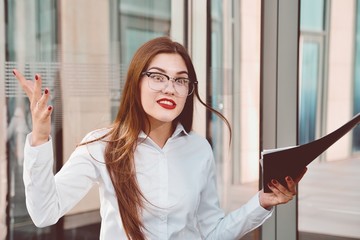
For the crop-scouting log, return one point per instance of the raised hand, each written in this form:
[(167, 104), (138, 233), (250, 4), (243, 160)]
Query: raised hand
[(40, 110)]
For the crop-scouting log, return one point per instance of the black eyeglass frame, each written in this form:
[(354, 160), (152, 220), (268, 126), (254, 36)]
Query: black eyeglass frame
[(148, 73)]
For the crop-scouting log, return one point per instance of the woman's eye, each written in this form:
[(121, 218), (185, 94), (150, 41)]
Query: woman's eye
[(181, 81), (158, 77)]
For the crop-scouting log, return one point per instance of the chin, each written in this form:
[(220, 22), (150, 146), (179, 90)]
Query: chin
[(162, 119), (166, 120)]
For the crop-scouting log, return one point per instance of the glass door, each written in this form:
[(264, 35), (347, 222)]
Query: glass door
[(134, 23), (328, 100), (34, 31), (31, 45), (233, 89)]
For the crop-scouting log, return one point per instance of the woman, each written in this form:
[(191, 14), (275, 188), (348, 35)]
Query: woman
[(156, 176)]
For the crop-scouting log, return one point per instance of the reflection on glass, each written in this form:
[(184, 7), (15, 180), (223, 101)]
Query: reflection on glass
[(356, 134), (215, 90), (308, 91), (32, 46), (325, 105), (135, 22), (312, 15), (233, 90), (31, 36)]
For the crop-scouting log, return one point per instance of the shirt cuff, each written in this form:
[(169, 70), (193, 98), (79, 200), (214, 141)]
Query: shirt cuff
[(256, 199), (255, 213), (37, 155)]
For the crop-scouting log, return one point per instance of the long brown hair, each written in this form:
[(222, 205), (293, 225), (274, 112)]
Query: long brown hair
[(130, 120)]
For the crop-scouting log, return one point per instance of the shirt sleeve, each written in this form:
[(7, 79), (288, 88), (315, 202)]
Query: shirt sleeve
[(49, 197), (214, 224)]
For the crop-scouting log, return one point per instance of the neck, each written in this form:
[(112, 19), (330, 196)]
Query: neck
[(160, 133)]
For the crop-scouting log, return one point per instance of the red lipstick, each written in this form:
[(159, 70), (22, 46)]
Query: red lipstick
[(166, 103)]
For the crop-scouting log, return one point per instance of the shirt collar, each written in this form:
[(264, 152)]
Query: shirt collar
[(178, 130)]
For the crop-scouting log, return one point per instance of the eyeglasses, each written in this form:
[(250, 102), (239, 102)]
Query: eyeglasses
[(159, 81)]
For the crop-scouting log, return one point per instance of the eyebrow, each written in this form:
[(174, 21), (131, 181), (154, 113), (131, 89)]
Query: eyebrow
[(163, 71)]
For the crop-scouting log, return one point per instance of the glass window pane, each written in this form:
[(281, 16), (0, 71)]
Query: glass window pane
[(309, 90), (233, 90), (356, 133), (31, 44), (216, 90), (324, 107), (312, 15), (73, 71), (135, 22)]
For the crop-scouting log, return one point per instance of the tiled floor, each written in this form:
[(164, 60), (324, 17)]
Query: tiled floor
[(329, 199)]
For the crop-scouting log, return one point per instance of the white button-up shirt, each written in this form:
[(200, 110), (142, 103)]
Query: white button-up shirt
[(178, 180)]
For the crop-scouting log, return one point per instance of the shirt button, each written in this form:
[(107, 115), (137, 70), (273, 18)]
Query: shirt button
[(163, 218)]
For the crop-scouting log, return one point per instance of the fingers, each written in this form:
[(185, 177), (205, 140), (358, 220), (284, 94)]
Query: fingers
[(275, 185), (31, 88), (41, 116), (37, 90), (38, 101), (42, 102), (26, 85), (281, 193), (41, 108), (291, 185), (46, 112)]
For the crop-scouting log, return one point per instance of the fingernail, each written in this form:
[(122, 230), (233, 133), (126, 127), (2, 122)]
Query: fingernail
[(49, 108), (288, 178), (36, 77), (274, 182), (14, 72), (46, 91)]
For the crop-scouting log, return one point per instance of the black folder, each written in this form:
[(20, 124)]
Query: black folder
[(291, 161)]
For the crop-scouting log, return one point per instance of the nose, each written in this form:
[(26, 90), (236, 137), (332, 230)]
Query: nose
[(170, 88)]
